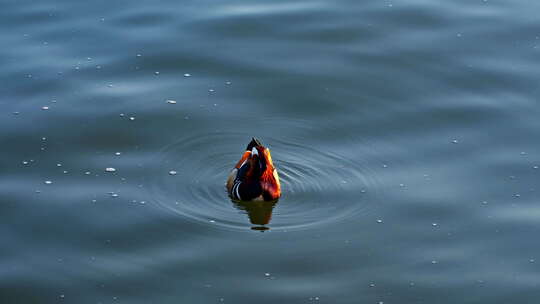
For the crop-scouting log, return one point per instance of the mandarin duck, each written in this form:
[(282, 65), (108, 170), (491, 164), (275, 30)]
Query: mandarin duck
[(254, 178)]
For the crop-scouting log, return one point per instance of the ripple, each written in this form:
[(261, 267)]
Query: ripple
[(317, 186)]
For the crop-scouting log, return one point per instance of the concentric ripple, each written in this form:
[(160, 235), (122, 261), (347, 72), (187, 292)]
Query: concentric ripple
[(317, 187)]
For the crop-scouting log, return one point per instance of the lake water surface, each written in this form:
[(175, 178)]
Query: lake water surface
[(406, 133)]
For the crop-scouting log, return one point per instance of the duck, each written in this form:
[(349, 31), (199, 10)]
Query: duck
[(254, 177)]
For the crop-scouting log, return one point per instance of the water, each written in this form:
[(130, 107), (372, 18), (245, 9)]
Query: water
[(405, 133)]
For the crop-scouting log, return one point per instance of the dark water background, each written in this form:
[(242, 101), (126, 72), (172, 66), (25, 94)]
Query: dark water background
[(406, 134)]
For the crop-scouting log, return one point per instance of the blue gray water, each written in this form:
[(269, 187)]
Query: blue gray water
[(406, 134)]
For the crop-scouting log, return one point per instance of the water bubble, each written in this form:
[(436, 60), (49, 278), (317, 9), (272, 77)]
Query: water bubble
[(169, 101), (15, 113), (211, 90), (187, 75), (379, 221), (228, 82), (132, 118), (59, 165), (266, 274), (523, 153), (87, 173), (455, 141), (434, 262), (48, 182), (44, 108), (25, 163), (372, 285), (212, 221), (517, 195), (385, 166), (114, 195), (156, 73), (118, 153), (62, 296), (110, 85), (434, 224), (535, 167), (110, 169), (531, 261), (172, 172)]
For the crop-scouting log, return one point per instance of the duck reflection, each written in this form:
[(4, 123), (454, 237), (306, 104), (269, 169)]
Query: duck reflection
[(259, 212)]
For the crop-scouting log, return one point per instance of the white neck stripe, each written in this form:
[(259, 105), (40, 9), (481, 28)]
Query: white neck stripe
[(237, 192)]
